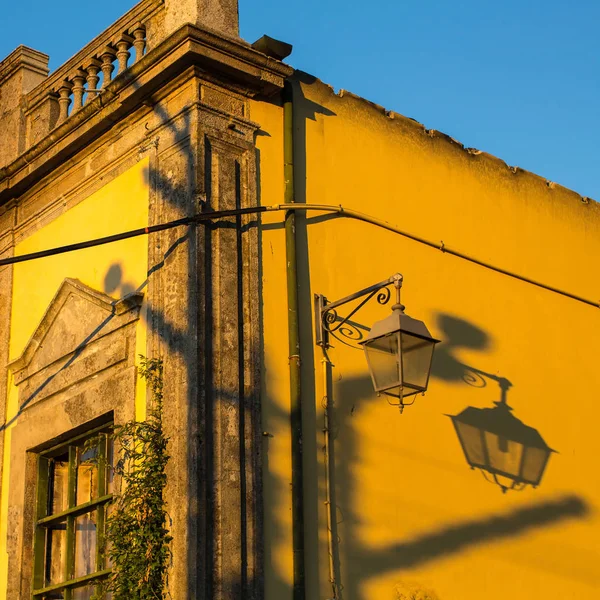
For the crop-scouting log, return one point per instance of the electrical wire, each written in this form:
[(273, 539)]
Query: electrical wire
[(340, 210)]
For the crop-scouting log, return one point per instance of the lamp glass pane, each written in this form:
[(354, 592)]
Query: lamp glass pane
[(470, 438), (416, 360), (382, 356), (534, 464), (504, 454)]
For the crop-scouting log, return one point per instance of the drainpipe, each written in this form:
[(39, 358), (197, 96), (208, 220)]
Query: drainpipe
[(294, 348)]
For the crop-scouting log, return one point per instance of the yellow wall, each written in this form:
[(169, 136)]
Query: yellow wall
[(115, 269), (411, 514)]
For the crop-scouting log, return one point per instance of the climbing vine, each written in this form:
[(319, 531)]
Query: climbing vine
[(137, 538)]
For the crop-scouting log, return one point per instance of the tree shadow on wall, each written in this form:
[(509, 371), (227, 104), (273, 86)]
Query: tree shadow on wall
[(181, 271), (352, 394)]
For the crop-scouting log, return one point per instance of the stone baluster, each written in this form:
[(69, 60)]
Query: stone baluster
[(93, 68), (78, 89), (123, 54), (139, 41), (108, 56), (64, 99)]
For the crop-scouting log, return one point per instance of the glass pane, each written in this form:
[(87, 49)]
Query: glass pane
[(382, 356), (87, 475), (416, 361), (108, 562), (83, 593), (533, 465), (470, 438), (505, 455), (59, 483), (110, 457), (85, 544), (395, 392), (56, 553)]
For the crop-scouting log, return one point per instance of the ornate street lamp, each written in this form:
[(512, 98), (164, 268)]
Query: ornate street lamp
[(503, 448), (399, 349)]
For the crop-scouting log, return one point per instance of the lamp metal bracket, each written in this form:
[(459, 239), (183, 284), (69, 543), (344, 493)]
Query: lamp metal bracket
[(327, 319)]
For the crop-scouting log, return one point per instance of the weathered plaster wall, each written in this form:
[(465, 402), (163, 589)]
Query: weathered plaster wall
[(183, 104), (411, 515), (116, 269)]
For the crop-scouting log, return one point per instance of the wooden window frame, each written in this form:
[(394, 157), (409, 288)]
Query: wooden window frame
[(44, 520)]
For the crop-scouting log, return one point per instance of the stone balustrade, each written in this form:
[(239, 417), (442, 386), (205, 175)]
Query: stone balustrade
[(35, 105), (90, 72), (82, 85)]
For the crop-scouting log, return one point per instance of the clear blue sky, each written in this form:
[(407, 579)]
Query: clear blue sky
[(518, 79)]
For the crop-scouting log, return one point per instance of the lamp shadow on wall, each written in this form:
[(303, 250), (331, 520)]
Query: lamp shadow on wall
[(353, 393), (507, 452)]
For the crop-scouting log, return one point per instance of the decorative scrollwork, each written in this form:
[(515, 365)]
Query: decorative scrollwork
[(330, 322), (384, 296), (346, 343), (330, 317), (350, 332)]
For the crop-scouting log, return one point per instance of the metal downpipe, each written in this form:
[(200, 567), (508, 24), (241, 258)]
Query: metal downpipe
[(299, 591)]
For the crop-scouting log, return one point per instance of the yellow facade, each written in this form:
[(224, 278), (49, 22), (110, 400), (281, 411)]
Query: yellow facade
[(115, 269), (412, 520), (412, 517)]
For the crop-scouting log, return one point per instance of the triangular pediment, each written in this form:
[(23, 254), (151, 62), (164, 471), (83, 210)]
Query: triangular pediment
[(75, 317)]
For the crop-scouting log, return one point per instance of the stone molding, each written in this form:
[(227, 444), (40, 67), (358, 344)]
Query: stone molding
[(185, 106), (58, 354), (225, 58), (41, 205), (87, 370)]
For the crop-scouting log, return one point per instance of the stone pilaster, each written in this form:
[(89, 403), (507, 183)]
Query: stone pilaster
[(220, 15), (232, 380), (173, 317), (20, 72), (203, 310)]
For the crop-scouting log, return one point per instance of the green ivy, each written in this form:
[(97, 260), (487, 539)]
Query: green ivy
[(137, 537)]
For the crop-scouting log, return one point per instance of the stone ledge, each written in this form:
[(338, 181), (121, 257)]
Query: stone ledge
[(234, 62)]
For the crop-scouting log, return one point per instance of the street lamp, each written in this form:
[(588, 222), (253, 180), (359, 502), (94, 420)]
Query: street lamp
[(501, 446), (399, 349)]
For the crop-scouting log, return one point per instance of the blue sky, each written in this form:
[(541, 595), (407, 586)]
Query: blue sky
[(518, 79)]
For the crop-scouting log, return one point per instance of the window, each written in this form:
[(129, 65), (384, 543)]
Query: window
[(74, 487)]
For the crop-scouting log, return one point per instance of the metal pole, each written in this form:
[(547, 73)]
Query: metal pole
[(299, 592)]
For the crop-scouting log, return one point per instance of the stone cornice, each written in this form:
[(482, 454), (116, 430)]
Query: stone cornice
[(230, 60)]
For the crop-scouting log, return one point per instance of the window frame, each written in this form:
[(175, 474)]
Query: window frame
[(43, 520)]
